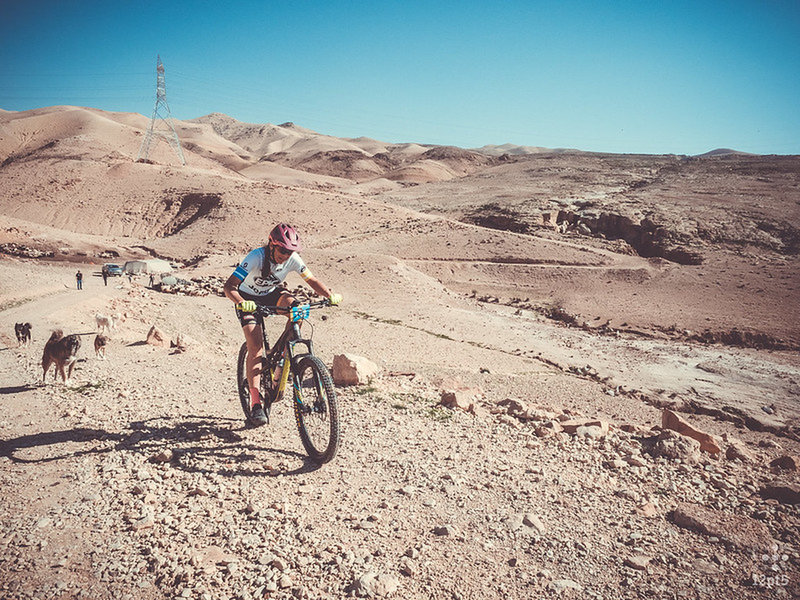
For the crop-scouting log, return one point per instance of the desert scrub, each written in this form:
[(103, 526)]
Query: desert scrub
[(555, 310), (87, 387), (420, 405), (375, 319), (364, 390), (438, 413)]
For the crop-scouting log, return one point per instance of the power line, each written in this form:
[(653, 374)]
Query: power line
[(163, 117)]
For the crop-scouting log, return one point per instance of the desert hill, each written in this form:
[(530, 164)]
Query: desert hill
[(725, 215), (514, 149), (562, 299), (357, 159)]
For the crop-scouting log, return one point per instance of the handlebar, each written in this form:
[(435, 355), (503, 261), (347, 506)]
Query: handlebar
[(296, 313)]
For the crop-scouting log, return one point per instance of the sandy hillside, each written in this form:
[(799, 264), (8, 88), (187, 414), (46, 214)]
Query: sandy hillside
[(567, 299)]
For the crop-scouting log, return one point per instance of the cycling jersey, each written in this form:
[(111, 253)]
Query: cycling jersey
[(250, 272)]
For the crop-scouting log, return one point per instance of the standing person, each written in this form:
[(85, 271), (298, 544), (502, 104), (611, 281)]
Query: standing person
[(257, 280), (105, 277), (79, 279)]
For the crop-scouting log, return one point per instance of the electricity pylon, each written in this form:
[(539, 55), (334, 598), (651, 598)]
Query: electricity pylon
[(163, 116)]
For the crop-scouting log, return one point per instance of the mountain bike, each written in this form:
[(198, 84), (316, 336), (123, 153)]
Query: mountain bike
[(292, 358)]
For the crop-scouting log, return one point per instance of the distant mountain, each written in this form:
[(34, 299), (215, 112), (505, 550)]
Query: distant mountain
[(724, 152), (513, 149), (355, 159)]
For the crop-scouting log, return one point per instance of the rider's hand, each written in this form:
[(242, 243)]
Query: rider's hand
[(247, 306), (335, 299)]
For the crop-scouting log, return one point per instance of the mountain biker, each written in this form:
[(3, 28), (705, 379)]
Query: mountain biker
[(257, 280)]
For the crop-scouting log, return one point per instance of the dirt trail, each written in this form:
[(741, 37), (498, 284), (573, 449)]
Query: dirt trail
[(140, 480)]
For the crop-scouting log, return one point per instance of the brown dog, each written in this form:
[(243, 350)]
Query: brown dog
[(100, 343), (61, 350), (23, 332)]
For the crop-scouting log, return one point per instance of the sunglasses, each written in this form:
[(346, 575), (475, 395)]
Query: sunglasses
[(283, 251)]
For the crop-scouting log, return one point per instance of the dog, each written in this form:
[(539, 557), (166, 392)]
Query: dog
[(104, 323), (23, 331), (100, 343), (63, 351)]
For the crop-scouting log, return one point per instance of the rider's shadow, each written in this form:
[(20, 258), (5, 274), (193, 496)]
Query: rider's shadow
[(196, 445)]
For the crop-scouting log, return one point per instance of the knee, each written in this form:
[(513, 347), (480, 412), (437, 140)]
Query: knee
[(285, 300)]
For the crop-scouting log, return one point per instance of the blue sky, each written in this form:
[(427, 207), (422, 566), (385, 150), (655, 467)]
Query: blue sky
[(679, 77)]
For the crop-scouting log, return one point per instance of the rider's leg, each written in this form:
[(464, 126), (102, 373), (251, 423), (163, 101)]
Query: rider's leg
[(284, 301), (255, 351)]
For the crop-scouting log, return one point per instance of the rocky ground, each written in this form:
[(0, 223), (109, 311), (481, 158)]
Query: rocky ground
[(139, 479), (589, 370)]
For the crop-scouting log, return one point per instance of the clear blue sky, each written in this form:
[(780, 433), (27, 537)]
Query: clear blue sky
[(674, 76)]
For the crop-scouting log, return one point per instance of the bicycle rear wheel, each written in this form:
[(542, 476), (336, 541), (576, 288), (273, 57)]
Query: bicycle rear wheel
[(315, 409)]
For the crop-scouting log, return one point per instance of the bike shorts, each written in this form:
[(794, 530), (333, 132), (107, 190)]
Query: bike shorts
[(270, 299)]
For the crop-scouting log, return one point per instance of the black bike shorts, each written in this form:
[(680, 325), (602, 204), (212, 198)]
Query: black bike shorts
[(270, 299)]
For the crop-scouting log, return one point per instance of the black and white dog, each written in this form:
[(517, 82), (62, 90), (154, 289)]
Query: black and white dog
[(23, 331)]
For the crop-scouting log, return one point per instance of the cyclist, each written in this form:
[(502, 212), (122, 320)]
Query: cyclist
[(257, 280)]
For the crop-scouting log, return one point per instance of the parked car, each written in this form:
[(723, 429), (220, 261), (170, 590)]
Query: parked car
[(112, 270)]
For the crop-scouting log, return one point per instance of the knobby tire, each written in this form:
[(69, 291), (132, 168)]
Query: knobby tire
[(317, 414), (243, 388)]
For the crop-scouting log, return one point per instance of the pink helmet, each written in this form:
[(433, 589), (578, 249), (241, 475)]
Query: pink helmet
[(286, 237)]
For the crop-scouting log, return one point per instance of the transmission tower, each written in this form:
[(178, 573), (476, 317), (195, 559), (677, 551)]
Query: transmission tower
[(161, 126)]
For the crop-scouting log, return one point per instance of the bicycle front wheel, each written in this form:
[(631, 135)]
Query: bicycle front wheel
[(315, 409)]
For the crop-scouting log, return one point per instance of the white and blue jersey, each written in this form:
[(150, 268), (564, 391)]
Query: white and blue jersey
[(251, 272)]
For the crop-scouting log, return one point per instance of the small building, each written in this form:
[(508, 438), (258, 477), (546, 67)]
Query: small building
[(150, 266)]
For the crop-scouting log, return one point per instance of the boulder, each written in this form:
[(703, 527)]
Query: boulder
[(572, 425), (156, 337), (785, 493), (515, 408), (372, 584), (559, 586), (648, 509), (523, 411), (349, 369), (742, 532), (786, 462), (462, 398), (164, 456), (638, 562), (737, 450), (211, 555), (182, 342), (672, 445), (708, 443)]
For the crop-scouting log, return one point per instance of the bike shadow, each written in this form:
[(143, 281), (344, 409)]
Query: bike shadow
[(194, 444)]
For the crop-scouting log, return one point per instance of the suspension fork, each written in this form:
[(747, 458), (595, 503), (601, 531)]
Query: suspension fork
[(289, 339)]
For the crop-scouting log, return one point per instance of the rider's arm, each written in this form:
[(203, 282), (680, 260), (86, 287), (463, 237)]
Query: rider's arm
[(231, 289), (318, 287), (250, 262)]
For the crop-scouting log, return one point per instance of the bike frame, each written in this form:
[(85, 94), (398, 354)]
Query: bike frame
[(286, 344)]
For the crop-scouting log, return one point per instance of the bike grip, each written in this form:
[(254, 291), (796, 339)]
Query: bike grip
[(246, 306)]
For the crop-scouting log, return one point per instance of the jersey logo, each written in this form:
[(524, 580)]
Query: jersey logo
[(262, 282)]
